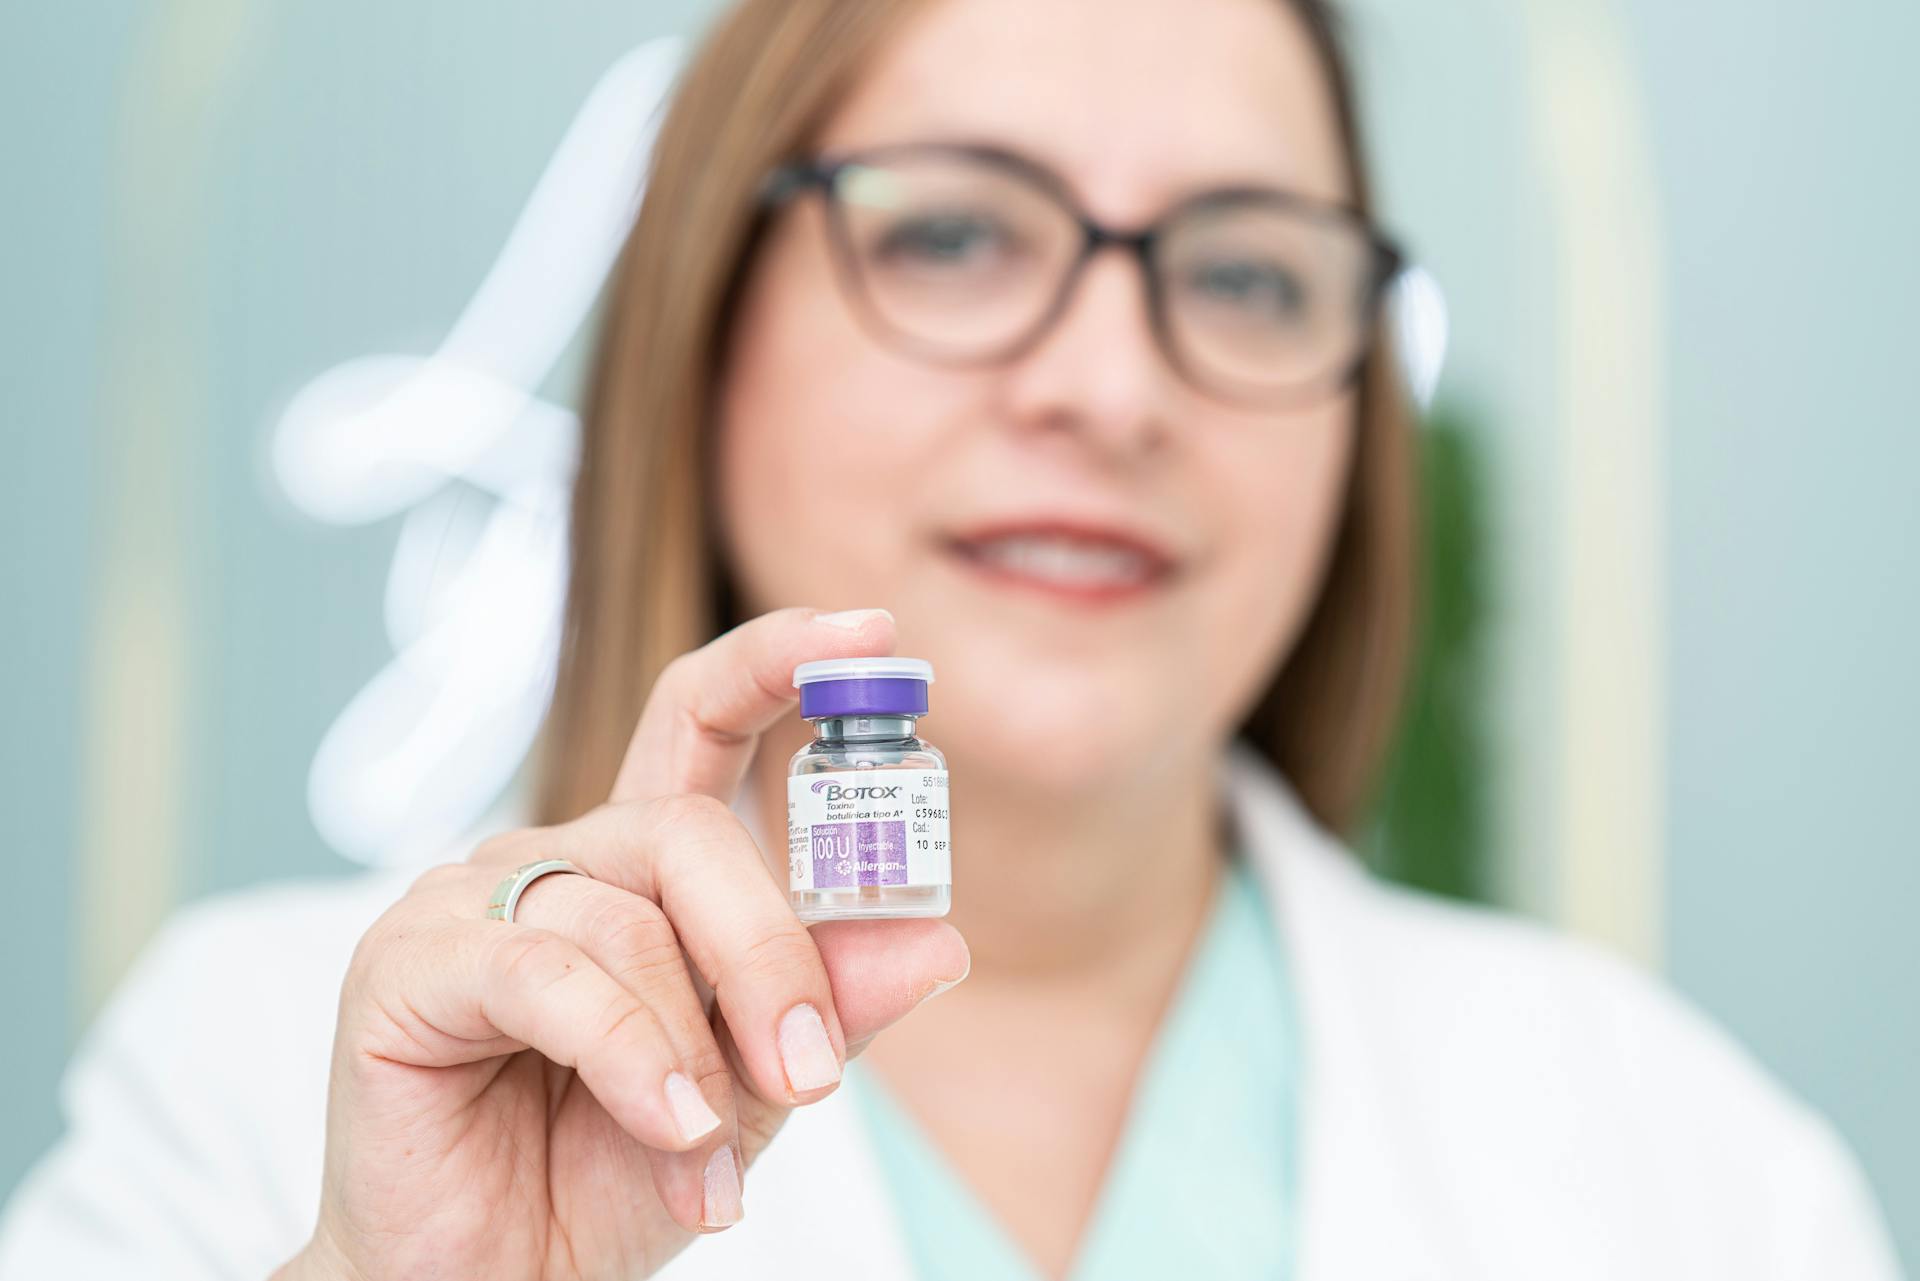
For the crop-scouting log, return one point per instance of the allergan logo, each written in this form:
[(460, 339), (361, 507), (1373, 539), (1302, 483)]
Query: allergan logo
[(834, 792)]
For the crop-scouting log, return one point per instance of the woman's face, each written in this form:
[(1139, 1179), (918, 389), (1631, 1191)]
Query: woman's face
[(850, 474)]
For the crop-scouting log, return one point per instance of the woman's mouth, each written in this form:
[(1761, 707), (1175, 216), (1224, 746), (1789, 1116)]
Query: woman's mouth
[(1074, 563)]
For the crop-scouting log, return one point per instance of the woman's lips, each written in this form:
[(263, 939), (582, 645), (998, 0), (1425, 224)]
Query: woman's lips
[(1066, 561)]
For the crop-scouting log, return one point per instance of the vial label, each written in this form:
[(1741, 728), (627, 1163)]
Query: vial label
[(868, 827)]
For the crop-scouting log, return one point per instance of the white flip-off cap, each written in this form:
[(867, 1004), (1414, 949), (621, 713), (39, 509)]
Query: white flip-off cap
[(857, 669)]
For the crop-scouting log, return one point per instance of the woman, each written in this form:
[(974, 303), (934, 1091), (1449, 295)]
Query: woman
[(885, 335)]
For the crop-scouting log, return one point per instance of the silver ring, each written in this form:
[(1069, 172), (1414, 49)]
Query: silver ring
[(506, 895)]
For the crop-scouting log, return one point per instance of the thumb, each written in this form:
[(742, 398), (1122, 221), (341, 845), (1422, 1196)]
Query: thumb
[(880, 971)]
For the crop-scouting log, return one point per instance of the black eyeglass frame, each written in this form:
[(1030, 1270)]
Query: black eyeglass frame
[(1386, 260)]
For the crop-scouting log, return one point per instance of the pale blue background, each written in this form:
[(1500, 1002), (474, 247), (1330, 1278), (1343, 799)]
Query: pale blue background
[(367, 158)]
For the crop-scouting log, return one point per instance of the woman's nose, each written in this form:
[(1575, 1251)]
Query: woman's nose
[(1097, 370)]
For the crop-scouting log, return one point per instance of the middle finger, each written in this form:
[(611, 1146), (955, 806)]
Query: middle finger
[(693, 857)]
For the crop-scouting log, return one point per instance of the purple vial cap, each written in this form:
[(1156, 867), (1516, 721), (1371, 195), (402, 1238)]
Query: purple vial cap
[(863, 687)]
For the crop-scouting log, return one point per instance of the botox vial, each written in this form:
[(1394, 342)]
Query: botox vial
[(867, 824)]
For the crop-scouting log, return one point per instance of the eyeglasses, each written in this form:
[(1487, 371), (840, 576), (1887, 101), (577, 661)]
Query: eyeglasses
[(967, 255)]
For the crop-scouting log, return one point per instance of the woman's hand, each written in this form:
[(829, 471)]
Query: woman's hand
[(553, 1098)]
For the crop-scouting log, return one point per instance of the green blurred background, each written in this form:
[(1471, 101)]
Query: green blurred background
[(1669, 693)]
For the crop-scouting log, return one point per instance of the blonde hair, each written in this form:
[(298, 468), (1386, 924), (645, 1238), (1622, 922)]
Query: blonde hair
[(647, 582)]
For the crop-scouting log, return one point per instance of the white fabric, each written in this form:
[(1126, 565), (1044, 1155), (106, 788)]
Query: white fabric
[(1482, 1099)]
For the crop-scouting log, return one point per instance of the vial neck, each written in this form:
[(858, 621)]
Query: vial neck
[(858, 729)]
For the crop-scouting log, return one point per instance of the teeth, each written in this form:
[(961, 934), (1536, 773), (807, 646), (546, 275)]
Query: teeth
[(1072, 562)]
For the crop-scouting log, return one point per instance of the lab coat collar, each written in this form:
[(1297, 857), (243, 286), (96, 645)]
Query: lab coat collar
[(1365, 1213)]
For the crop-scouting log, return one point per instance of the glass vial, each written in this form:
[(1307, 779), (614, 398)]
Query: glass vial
[(867, 822)]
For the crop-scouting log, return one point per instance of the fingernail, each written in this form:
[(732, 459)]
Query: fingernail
[(720, 1199), (689, 1106), (944, 985), (806, 1052), (851, 619)]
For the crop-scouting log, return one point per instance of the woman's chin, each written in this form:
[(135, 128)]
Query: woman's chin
[(1068, 719), (1050, 747)]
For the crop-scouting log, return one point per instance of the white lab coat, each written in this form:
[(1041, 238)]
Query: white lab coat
[(1481, 1099)]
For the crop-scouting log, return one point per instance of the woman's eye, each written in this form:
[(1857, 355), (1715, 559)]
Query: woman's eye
[(1263, 287), (943, 239)]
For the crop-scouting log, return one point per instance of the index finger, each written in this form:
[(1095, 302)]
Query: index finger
[(706, 712)]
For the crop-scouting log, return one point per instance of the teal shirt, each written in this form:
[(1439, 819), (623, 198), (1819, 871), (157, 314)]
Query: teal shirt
[(1202, 1182)]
